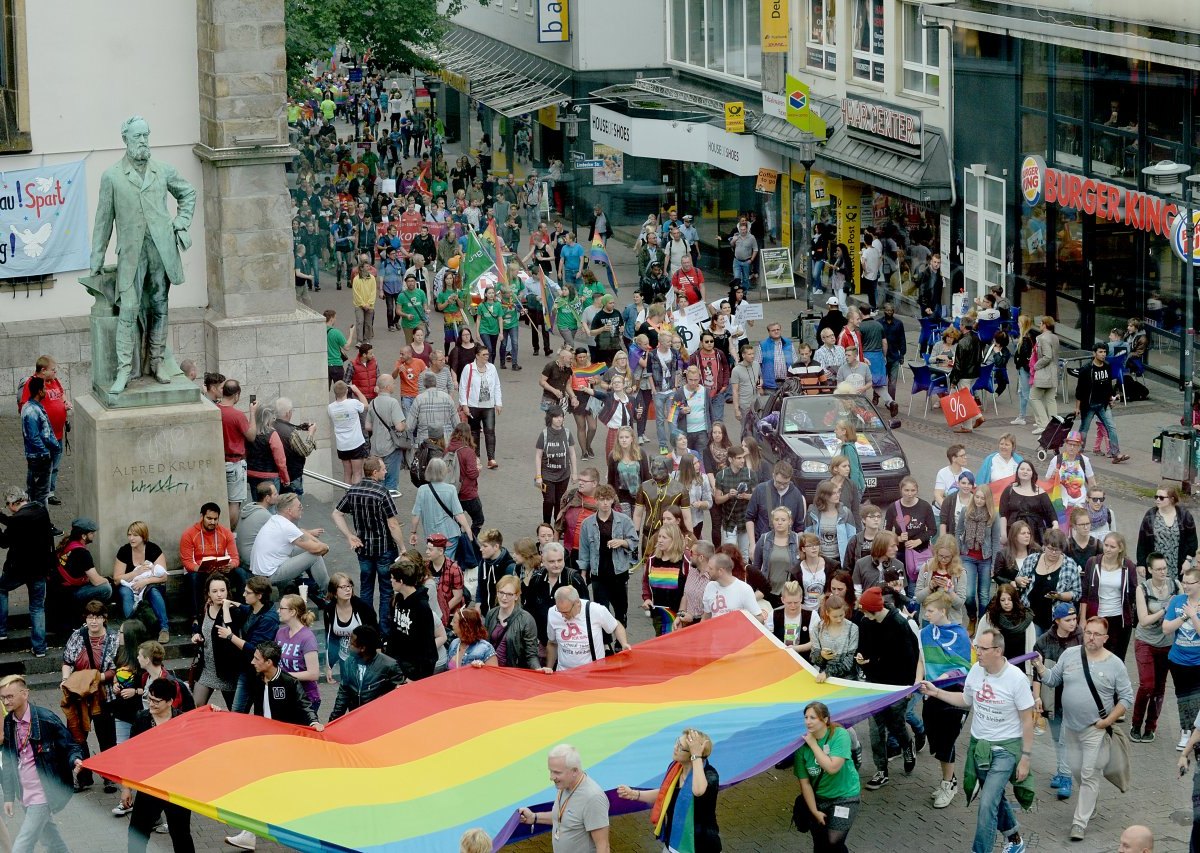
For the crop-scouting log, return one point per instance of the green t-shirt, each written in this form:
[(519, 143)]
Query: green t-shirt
[(293, 113), (587, 290), (833, 786), (566, 315), (512, 316), (411, 302), (489, 317), (327, 109), (452, 307), (335, 341)]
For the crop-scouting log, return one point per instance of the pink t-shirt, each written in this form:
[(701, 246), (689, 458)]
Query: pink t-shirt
[(294, 647), (32, 792)]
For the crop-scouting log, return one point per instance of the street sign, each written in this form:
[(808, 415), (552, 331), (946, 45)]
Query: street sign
[(589, 164)]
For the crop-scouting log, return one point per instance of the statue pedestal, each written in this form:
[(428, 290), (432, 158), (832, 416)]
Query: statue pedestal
[(156, 465)]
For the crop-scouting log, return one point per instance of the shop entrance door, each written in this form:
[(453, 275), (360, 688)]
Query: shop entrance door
[(983, 231)]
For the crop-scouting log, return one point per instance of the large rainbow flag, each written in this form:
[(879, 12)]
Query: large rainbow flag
[(413, 770)]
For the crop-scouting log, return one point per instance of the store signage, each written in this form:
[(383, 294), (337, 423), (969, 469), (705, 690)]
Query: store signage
[(774, 105), (656, 88), (1109, 202), (612, 128), (774, 15), (735, 117), (800, 114), (455, 81), (552, 21), (767, 179), (885, 125)]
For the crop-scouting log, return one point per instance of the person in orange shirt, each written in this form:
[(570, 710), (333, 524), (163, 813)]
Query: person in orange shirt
[(408, 369), (205, 547)]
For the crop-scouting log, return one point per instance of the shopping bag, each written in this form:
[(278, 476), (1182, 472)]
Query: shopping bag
[(959, 407)]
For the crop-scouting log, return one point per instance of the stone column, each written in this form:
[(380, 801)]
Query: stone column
[(255, 331)]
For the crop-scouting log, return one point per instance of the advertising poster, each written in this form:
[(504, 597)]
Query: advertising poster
[(613, 172), (777, 269)]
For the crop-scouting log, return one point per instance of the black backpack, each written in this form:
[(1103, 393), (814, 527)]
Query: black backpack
[(420, 460)]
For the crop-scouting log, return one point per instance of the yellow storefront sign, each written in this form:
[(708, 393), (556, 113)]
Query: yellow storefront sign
[(735, 117), (548, 116), (455, 81), (774, 26)]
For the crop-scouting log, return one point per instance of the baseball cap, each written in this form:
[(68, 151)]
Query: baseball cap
[(438, 540), (687, 217), (1064, 609), (871, 600), (833, 300), (84, 524)]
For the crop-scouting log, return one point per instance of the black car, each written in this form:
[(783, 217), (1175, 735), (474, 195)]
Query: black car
[(795, 424)]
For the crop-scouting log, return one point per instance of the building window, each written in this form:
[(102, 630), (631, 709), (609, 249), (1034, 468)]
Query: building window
[(868, 40), (529, 8), (983, 231), (922, 54), (822, 35), (718, 36), (14, 79)]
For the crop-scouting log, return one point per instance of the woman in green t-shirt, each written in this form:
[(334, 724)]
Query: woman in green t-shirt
[(566, 314), (490, 314), (512, 325), (829, 782)]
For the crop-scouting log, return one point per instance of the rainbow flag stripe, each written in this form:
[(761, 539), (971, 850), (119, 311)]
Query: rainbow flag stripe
[(411, 771), (592, 371), (1052, 487), (664, 577)]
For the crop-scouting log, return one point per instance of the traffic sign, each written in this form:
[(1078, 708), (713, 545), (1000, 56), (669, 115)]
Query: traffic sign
[(589, 164)]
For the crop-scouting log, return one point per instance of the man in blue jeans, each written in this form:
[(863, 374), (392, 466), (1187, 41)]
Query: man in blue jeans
[(379, 537), (41, 445), (1001, 740), (745, 253), (26, 533), (1093, 397)]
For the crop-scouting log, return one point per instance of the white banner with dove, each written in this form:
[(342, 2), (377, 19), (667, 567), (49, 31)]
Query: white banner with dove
[(43, 220)]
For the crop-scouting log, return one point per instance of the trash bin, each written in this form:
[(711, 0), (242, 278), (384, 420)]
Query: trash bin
[(1175, 452)]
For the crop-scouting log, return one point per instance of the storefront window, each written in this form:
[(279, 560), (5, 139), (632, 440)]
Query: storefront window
[(1035, 63), (1068, 82), (868, 40), (922, 54), (1115, 119), (719, 36), (822, 35), (1068, 143)]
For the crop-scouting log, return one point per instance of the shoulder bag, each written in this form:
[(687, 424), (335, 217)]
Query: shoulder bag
[(1117, 769), (465, 552)]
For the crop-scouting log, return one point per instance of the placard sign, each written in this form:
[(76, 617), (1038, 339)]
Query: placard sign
[(777, 269)]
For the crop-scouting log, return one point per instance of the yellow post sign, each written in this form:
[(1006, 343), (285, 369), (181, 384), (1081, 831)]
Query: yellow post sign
[(735, 116), (774, 26)]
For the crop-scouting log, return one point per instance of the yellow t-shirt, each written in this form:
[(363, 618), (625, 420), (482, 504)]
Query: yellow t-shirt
[(366, 289)]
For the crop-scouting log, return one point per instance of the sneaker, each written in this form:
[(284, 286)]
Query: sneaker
[(662, 451), (1014, 846), (1018, 422), (1119, 458), (877, 781), (39, 654), (1077, 832), (1147, 736), (111, 787), (1184, 734), (163, 828), (1064, 790), (1037, 430), (1135, 734), (943, 795), (919, 738), (164, 636), (910, 759), (244, 840), (120, 811), (54, 500), (856, 757), (1057, 780)]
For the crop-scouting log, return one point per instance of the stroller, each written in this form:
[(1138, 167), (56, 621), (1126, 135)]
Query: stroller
[(1052, 437)]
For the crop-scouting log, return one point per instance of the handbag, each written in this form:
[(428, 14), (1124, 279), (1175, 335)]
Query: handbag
[(1119, 753), (959, 407)]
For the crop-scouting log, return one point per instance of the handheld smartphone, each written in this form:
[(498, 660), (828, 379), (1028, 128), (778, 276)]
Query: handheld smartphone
[(253, 399)]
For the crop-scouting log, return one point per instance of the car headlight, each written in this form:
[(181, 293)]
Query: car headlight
[(812, 466), (894, 464)]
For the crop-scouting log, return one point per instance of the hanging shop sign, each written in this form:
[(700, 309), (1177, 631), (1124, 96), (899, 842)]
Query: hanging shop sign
[(552, 21), (886, 125), (1105, 201), (774, 15), (735, 116), (767, 179), (455, 81)]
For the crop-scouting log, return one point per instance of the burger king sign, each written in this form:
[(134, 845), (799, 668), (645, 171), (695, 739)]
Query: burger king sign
[(1033, 168)]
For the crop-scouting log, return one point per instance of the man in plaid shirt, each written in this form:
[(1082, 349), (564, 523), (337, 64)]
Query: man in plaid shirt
[(433, 412), (379, 537)]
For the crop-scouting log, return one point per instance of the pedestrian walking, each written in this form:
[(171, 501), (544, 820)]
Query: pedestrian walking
[(1093, 398)]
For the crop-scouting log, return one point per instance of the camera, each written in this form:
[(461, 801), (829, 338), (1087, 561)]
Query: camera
[(303, 427)]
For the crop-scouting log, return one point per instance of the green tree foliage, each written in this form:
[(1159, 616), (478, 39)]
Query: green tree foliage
[(388, 28)]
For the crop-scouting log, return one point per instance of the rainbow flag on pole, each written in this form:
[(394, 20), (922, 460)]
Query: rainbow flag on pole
[(599, 255), (411, 771)]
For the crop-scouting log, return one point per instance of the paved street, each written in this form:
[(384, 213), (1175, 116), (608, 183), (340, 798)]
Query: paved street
[(754, 816)]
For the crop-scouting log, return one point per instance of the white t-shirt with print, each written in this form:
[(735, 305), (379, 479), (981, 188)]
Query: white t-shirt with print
[(997, 701), (347, 428), (719, 600), (572, 635)]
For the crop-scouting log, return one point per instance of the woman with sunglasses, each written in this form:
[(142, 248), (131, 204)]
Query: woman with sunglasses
[(1168, 529), (688, 794), (1102, 518)]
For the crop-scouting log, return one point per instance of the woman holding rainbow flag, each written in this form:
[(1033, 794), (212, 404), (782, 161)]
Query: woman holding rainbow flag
[(684, 808)]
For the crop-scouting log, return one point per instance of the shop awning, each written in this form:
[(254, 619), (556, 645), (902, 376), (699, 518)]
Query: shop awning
[(924, 179), (1125, 38), (507, 80)]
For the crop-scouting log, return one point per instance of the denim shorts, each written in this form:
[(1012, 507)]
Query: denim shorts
[(235, 481)]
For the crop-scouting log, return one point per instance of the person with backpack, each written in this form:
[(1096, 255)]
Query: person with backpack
[(462, 472)]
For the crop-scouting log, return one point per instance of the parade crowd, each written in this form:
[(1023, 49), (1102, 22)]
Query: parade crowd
[(644, 473)]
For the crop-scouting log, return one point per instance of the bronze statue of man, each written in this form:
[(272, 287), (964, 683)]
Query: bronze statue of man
[(133, 195)]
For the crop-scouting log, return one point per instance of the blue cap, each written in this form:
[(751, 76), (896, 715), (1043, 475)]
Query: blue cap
[(1064, 609)]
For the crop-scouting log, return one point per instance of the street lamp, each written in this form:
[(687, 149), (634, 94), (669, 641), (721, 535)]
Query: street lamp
[(807, 146), (1167, 178)]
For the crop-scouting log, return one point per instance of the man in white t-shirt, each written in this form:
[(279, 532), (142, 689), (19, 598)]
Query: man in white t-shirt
[(725, 593), (283, 551), (575, 631), (1002, 725), (346, 414)]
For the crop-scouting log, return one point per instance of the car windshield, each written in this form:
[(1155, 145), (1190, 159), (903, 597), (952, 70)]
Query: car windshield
[(814, 414)]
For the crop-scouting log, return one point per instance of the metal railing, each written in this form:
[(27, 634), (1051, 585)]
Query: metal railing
[(336, 483)]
